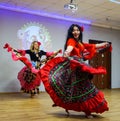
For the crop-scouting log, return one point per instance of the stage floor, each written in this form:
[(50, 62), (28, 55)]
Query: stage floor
[(21, 107)]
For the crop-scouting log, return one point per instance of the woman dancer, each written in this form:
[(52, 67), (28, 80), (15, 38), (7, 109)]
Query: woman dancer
[(68, 79), (29, 75)]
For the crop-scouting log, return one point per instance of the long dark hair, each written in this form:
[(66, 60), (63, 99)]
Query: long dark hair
[(70, 35)]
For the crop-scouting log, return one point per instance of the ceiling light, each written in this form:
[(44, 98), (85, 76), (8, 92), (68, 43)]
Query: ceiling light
[(42, 13), (115, 1), (72, 6)]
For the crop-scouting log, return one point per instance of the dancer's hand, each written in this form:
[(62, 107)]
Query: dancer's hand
[(66, 54)]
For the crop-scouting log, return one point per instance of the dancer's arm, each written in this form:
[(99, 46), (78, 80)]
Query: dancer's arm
[(102, 45)]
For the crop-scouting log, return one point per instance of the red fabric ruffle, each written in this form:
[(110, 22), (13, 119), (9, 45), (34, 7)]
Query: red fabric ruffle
[(99, 70), (8, 47), (28, 86), (90, 49), (21, 58), (94, 104), (22, 52)]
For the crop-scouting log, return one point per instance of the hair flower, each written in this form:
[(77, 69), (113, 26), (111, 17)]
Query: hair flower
[(39, 43), (82, 28)]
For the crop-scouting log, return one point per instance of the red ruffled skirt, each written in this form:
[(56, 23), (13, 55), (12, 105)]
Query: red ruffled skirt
[(29, 80), (67, 81)]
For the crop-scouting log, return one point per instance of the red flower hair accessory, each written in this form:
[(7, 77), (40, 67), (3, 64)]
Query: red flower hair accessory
[(82, 28), (6, 45), (39, 43)]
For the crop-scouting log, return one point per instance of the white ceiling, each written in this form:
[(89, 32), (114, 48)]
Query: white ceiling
[(101, 13)]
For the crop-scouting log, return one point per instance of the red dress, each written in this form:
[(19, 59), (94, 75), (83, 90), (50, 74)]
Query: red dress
[(28, 76), (29, 80), (68, 81)]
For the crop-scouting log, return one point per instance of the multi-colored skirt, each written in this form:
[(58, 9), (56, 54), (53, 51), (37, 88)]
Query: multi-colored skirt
[(68, 82), (29, 76), (29, 81)]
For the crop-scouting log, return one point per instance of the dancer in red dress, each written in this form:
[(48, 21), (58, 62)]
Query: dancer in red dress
[(29, 75), (68, 79)]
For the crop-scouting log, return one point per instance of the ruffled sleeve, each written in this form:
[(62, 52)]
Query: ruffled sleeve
[(71, 42), (89, 51)]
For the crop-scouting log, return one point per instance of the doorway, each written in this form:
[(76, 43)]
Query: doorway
[(102, 59)]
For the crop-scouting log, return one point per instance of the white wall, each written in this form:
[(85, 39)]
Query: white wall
[(11, 22)]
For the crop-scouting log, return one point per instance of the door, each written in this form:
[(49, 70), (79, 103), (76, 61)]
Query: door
[(102, 59)]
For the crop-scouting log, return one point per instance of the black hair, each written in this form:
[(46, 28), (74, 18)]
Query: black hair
[(70, 35)]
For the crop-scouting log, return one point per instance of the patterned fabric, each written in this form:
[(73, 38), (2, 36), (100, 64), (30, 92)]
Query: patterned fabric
[(28, 76), (28, 80), (71, 85), (68, 82)]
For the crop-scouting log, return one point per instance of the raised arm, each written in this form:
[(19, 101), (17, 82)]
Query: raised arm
[(101, 45)]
